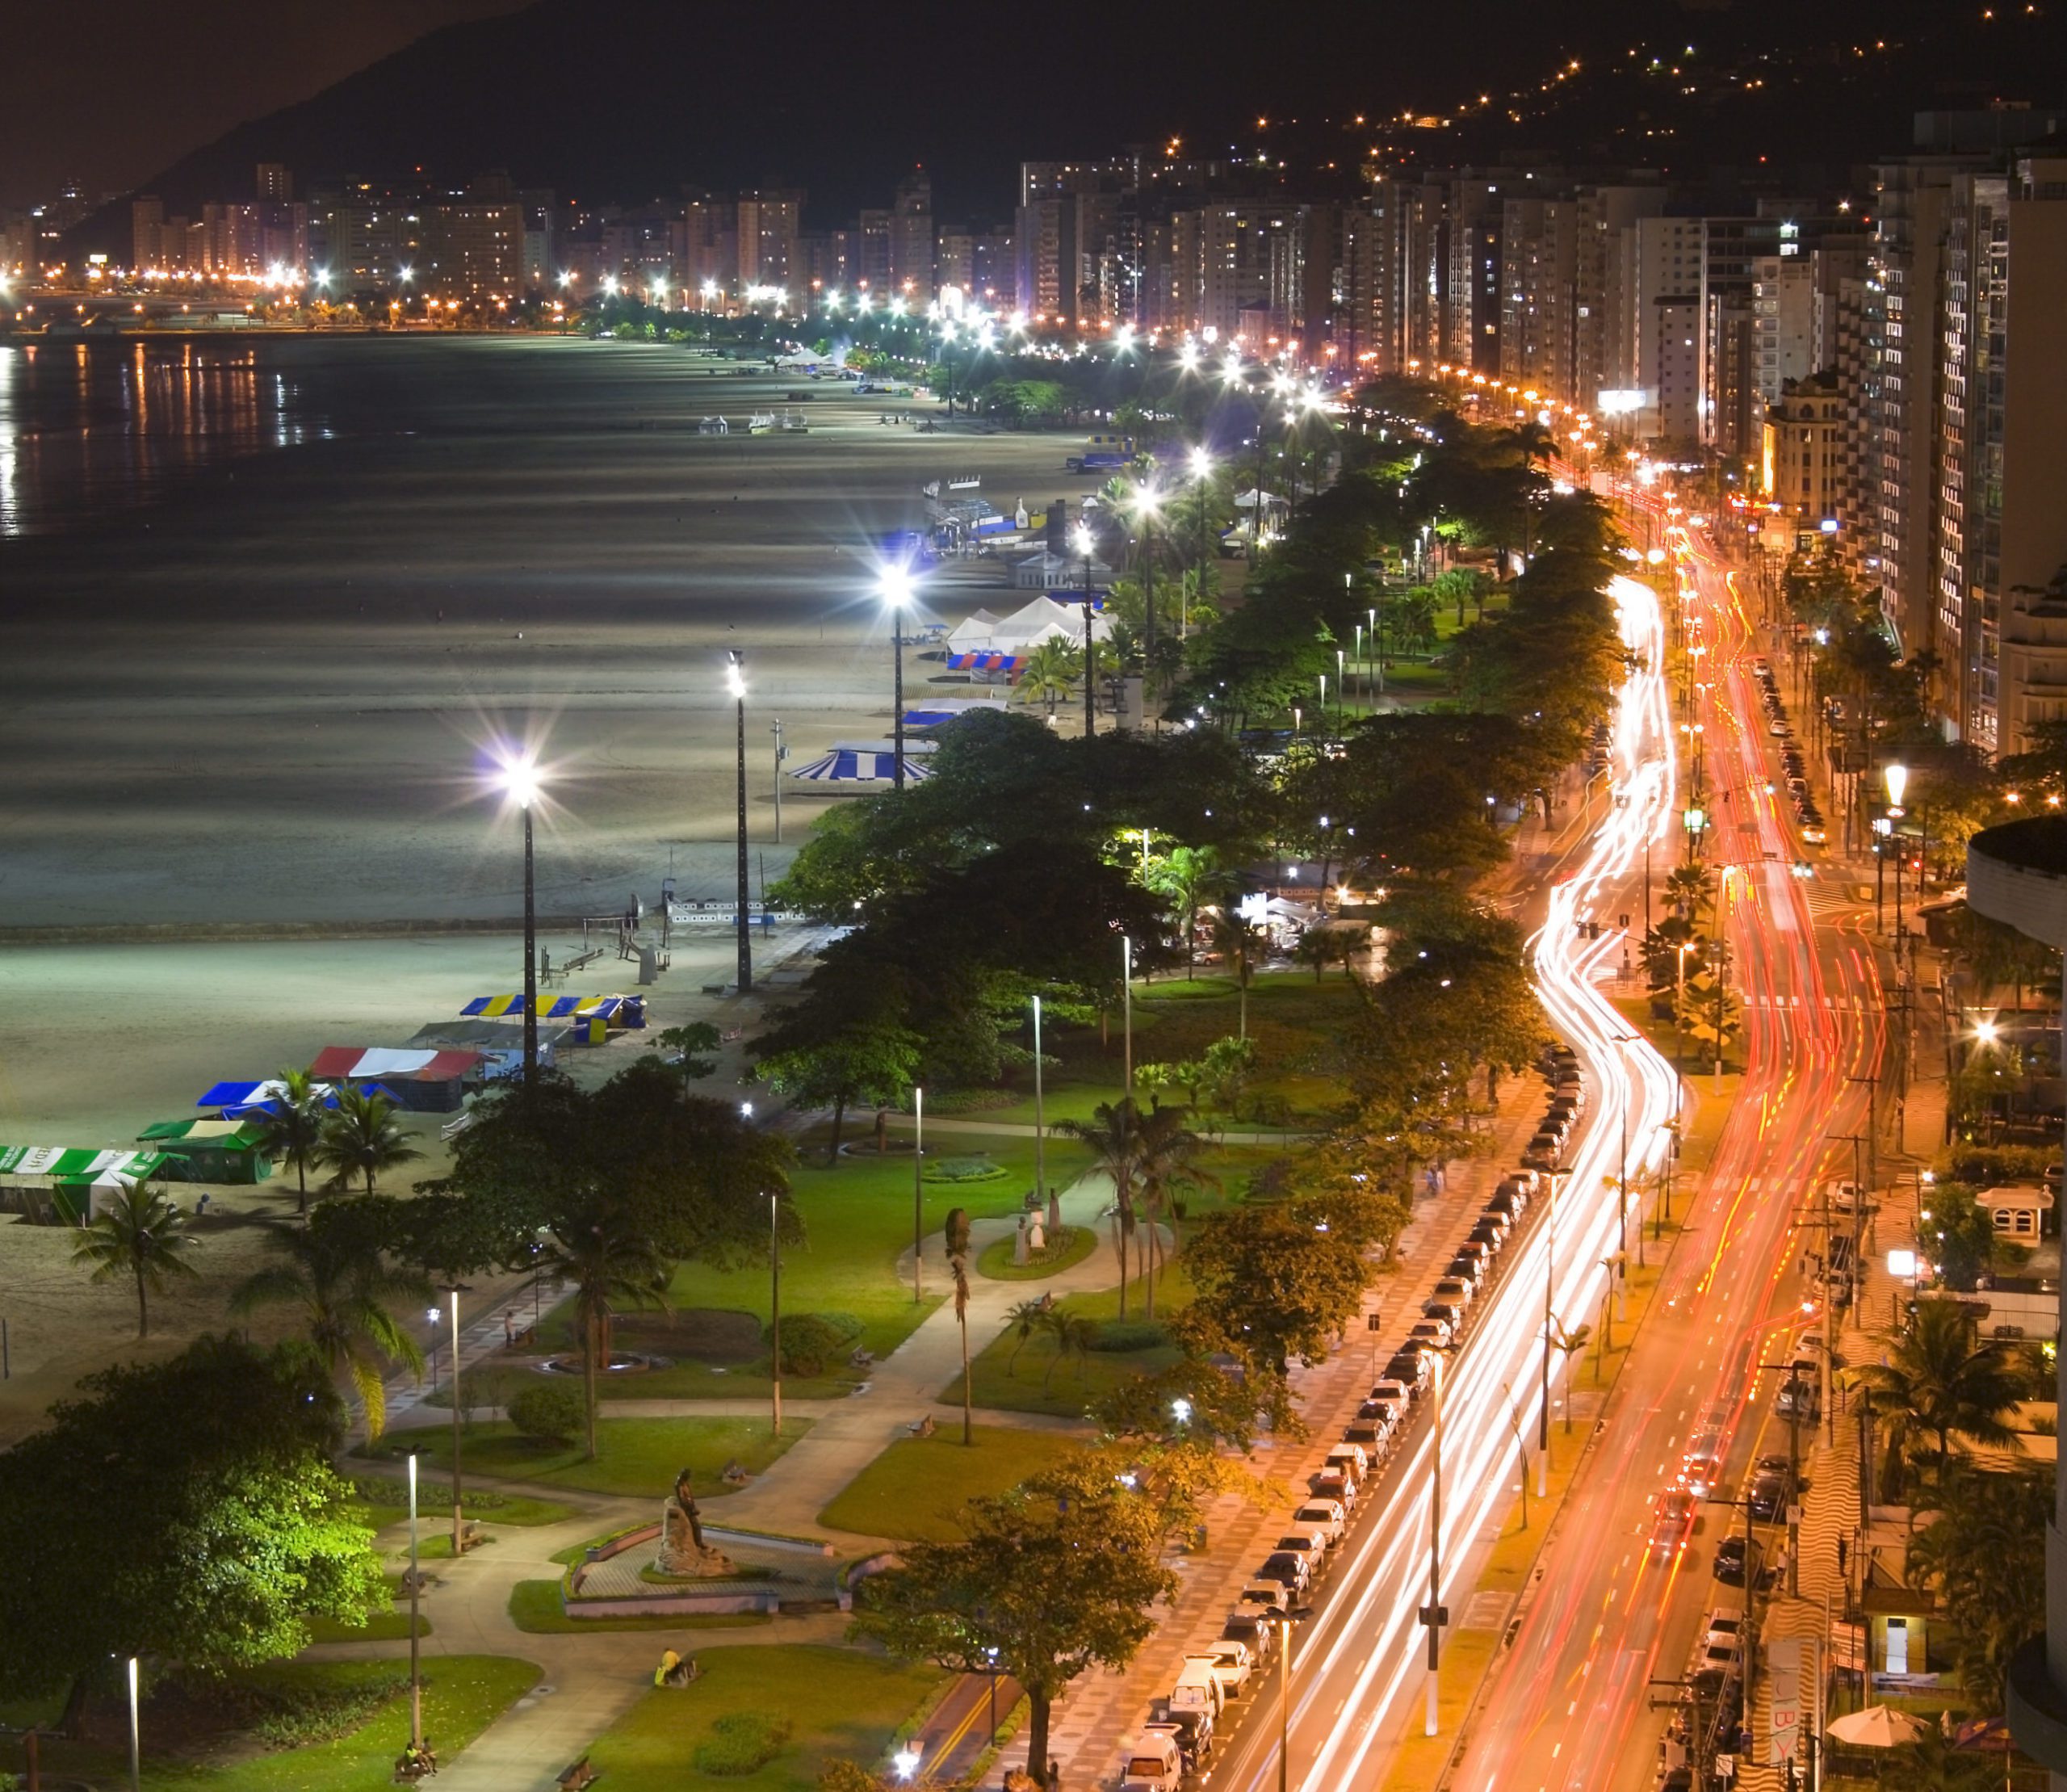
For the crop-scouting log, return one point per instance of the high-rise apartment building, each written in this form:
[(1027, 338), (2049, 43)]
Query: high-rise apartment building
[(911, 238), (769, 222)]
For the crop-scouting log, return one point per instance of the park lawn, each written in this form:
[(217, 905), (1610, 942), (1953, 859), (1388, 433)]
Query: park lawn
[(484, 1505), (638, 1456), (534, 1606), (462, 1695), (916, 1490), (389, 1626), (1297, 1023), (857, 1215), (837, 1703), (1075, 1382)]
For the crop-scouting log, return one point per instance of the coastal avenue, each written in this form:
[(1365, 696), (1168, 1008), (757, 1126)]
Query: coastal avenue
[(1360, 1673), (1569, 1704)]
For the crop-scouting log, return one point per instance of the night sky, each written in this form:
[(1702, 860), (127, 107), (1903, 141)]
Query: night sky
[(109, 95)]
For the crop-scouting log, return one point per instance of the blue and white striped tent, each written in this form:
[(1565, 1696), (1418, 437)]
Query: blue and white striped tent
[(238, 1101), (865, 762)]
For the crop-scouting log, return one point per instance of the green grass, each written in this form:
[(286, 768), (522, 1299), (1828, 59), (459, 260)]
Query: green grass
[(634, 1456), (1296, 1022), (462, 1695), (389, 1626), (916, 1490), (856, 1214), (837, 1703), (534, 1606), (995, 1259), (1076, 1381), (483, 1505)]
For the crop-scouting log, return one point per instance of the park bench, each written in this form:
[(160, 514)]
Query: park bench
[(580, 1774)]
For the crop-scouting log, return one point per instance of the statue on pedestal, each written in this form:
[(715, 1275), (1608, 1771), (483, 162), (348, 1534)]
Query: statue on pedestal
[(683, 1551)]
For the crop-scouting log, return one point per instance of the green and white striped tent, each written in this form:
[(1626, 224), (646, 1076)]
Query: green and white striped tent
[(76, 1174)]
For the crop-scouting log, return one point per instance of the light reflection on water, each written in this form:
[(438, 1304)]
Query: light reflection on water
[(85, 428)]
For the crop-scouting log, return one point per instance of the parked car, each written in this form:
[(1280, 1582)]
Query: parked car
[(1468, 1268), (1312, 1544), (1287, 1567), (1350, 1460), (1271, 1596), (1373, 1436), (1446, 1312), (1455, 1291), (1234, 1664), (1731, 1555), (1194, 1728), (1327, 1484), (1253, 1628), (1769, 1495), (1414, 1366), (1324, 1516), (1438, 1334), (1394, 1396)]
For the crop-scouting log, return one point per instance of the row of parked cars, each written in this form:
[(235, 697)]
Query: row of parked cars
[(1807, 817), (1560, 1066), (1179, 1736)]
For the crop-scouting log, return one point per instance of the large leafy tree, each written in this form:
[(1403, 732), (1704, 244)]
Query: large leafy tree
[(697, 1175), (140, 1236), (336, 1276), (185, 1510), (1270, 1286), (1050, 1581)]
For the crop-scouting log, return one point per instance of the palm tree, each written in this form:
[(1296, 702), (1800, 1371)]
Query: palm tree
[(1166, 1154), (363, 1138), (141, 1234), (293, 1131), (1024, 1319), (343, 1285), (1113, 1132), (1188, 876), (1051, 671), (1571, 1343), (1240, 943), (1689, 889), (959, 1268), (1074, 1334), (1938, 1382), (607, 1256)]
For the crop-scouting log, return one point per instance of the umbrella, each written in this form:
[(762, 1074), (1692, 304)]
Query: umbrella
[(1877, 1727)]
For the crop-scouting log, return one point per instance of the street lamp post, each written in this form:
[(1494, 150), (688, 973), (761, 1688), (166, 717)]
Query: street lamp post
[(1549, 1322), (895, 587), (775, 1301), (1083, 547), (520, 780), (735, 676), (1896, 778), (416, 1586), (459, 1524), (1432, 1614), (918, 1187), (1040, 1116), (1201, 471)]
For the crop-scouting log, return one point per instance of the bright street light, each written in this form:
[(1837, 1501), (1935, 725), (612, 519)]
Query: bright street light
[(893, 586), (520, 784), (1896, 777)]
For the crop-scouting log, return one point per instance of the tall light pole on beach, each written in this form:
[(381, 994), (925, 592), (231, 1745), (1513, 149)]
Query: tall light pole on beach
[(895, 587), (1084, 545), (736, 681), (520, 782)]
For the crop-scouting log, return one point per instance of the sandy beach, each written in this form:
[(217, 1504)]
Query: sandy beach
[(269, 696)]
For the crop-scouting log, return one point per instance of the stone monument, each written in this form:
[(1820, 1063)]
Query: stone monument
[(683, 1551)]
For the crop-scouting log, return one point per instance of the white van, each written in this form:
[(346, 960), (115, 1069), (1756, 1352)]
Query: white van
[(1153, 1763), (1198, 1688)]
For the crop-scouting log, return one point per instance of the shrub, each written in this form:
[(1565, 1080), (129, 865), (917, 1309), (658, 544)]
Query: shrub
[(811, 1343), (740, 1742), (551, 1413), (845, 1776), (963, 1169), (297, 1717), (1130, 1334)]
